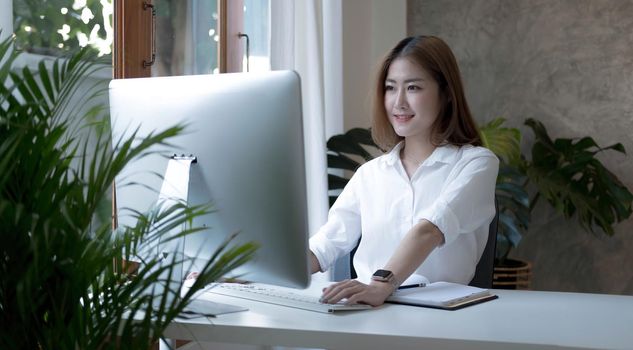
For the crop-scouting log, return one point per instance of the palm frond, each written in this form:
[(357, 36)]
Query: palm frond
[(60, 285)]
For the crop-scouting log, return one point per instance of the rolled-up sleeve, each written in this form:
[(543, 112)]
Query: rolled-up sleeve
[(342, 230), (466, 201)]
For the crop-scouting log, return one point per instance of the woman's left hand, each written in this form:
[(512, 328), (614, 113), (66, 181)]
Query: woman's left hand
[(356, 292)]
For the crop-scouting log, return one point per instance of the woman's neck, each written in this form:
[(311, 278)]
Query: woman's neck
[(416, 151)]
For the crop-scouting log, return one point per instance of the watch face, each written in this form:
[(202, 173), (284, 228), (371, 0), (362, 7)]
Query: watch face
[(383, 274)]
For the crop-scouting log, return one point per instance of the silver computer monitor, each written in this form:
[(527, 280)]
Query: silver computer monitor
[(246, 132)]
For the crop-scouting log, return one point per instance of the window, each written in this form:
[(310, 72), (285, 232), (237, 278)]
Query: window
[(257, 27), (187, 37), (191, 37), (54, 27)]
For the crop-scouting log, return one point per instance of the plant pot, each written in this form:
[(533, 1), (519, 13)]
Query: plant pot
[(511, 274)]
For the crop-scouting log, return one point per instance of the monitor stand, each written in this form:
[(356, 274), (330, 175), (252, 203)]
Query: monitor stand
[(175, 188)]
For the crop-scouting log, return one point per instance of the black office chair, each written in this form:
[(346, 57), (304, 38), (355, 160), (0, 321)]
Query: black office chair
[(485, 266), (344, 267)]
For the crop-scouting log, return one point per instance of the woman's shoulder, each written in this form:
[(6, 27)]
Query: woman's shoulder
[(470, 152), (373, 166), (373, 163)]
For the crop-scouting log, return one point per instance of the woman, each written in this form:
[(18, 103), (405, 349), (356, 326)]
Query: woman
[(424, 208)]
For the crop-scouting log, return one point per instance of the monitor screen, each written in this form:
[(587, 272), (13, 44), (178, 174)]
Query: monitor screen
[(246, 132)]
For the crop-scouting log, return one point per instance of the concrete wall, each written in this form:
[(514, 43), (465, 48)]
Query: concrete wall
[(568, 63)]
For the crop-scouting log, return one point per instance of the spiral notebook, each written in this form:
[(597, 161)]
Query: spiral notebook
[(442, 295)]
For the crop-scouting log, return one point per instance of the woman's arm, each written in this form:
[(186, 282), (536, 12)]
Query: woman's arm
[(414, 248), (314, 263)]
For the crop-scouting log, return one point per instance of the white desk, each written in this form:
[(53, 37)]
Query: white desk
[(517, 320)]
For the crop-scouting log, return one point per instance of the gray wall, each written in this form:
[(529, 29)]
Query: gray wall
[(568, 63)]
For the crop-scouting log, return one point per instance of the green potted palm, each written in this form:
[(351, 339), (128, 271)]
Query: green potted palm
[(62, 285), (565, 172)]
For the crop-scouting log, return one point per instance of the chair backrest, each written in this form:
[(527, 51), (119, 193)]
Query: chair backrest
[(485, 266), (344, 267)]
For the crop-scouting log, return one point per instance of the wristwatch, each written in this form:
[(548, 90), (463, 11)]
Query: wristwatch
[(385, 276)]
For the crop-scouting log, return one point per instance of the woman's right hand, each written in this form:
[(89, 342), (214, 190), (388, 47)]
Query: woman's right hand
[(356, 292)]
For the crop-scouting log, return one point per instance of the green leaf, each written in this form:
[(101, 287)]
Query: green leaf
[(361, 136), (342, 144), (540, 132), (504, 142), (515, 191), (341, 162), (577, 184), (616, 147), (46, 82), (584, 143), (34, 89), (511, 232), (336, 182), (339, 147), (8, 57)]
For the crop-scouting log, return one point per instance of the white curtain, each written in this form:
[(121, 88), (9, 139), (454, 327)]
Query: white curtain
[(306, 36)]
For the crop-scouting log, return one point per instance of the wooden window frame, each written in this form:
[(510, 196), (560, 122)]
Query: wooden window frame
[(230, 25), (133, 27), (133, 37)]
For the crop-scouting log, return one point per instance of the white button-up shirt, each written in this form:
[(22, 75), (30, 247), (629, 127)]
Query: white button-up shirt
[(453, 189)]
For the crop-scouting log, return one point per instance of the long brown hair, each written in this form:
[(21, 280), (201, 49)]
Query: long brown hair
[(455, 124)]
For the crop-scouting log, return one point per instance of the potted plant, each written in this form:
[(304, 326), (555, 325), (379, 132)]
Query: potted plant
[(574, 182), (564, 171), (62, 285), (513, 204)]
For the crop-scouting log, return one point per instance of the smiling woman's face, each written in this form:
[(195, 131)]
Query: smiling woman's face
[(412, 99)]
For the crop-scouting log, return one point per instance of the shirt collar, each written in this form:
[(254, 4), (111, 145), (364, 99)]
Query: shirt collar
[(393, 156), (442, 154)]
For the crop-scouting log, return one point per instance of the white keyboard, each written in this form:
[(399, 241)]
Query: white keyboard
[(294, 298)]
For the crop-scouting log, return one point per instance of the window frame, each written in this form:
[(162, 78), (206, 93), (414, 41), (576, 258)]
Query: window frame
[(133, 36)]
